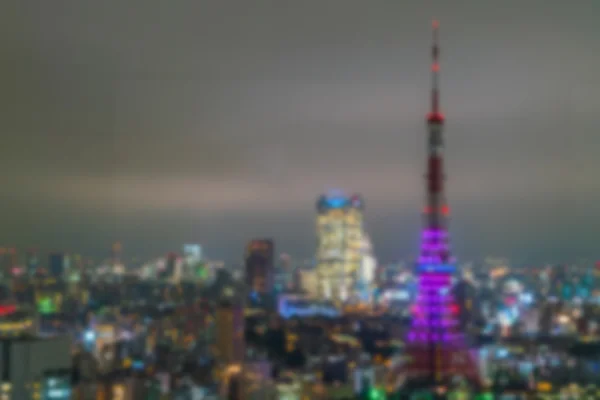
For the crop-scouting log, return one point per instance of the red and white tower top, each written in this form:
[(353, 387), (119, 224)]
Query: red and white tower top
[(435, 116)]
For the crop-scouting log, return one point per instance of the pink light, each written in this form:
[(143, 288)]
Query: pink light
[(434, 277), (433, 285), (7, 309)]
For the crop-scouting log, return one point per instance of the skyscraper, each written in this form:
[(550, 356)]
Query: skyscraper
[(32, 262), (259, 268), (116, 259), (435, 343), (230, 327), (56, 265), (192, 253), (8, 260), (339, 244), (170, 265), (115, 253), (368, 267)]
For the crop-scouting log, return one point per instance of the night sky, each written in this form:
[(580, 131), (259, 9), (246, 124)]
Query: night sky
[(162, 122)]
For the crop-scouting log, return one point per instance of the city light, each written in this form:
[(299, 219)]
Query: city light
[(376, 394), (222, 125)]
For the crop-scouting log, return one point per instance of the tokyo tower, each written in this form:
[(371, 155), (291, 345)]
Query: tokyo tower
[(436, 348)]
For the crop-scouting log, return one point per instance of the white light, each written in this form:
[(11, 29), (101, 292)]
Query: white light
[(59, 393), (526, 298), (502, 353)]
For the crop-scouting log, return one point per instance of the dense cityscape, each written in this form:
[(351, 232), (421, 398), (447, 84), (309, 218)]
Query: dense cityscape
[(337, 324)]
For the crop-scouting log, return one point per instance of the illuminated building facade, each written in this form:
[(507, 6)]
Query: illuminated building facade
[(105, 339), (48, 301), (367, 273), (26, 375), (193, 268), (15, 321), (291, 305), (309, 282), (259, 258), (339, 244), (230, 328), (436, 345), (192, 253)]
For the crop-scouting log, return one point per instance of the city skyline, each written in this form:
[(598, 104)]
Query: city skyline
[(158, 126)]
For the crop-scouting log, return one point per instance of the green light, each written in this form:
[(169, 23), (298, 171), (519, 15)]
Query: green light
[(46, 306), (376, 394), (201, 271)]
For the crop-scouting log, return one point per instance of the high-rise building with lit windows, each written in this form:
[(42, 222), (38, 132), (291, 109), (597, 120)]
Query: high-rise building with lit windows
[(259, 268), (35, 368), (367, 274), (339, 244)]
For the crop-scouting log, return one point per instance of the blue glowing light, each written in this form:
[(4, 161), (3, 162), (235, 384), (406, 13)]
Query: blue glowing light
[(137, 365), (436, 268), (337, 202), (501, 353), (526, 298)]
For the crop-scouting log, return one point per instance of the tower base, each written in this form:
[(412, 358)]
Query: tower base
[(450, 362)]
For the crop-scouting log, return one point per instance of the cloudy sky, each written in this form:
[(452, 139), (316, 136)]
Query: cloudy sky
[(163, 122)]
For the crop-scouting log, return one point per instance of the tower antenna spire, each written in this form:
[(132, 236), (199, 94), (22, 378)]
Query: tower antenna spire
[(435, 114)]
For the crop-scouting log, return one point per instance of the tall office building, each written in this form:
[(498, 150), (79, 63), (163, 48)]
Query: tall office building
[(35, 368), (192, 265), (259, 257), (8, 260), (116, 259), (230, 342), (115, 253), (170, 266), (192, 253), (339, 244), (32, 262), (368, 269), (57, 263)]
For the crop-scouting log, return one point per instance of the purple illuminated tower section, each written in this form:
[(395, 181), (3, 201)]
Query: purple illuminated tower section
[(435, 344)]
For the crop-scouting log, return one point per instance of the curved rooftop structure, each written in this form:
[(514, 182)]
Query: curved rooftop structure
[(339, 200)]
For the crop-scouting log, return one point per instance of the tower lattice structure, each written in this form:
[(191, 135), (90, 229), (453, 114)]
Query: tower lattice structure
[(436, 347)]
